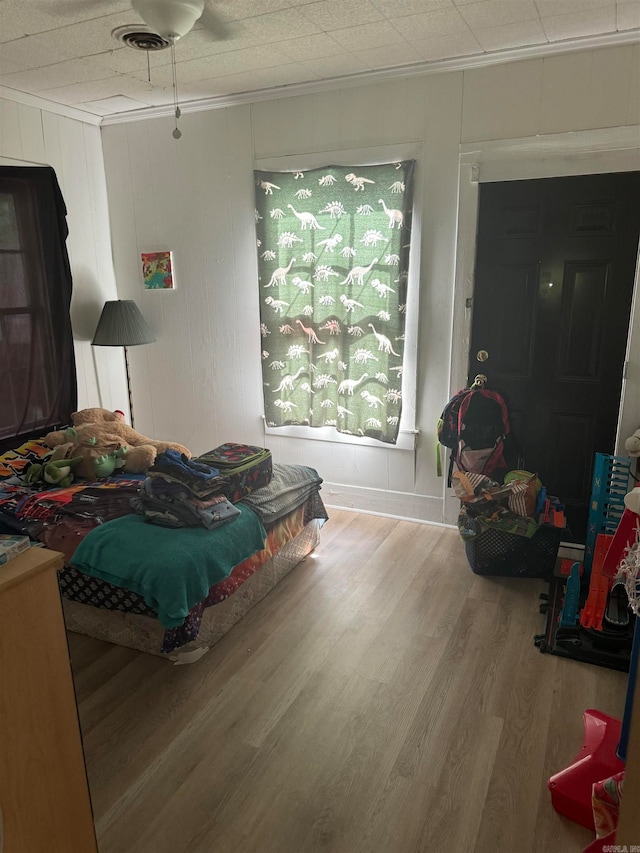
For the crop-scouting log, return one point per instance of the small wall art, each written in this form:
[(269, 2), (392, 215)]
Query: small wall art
[(157, 270)]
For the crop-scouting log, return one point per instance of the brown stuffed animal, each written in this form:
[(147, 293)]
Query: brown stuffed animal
[(107, 442)]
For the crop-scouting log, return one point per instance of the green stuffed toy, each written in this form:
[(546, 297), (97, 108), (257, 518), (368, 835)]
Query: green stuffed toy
[(93, 458), (105, 465), (58, 472)]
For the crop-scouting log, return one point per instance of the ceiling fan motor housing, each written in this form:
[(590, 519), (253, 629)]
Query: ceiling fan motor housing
[(170, 19)]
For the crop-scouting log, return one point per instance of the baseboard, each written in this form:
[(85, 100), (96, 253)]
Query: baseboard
[(410, 507)]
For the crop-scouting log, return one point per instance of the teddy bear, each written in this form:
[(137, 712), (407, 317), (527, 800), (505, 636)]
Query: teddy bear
[(106, 444)]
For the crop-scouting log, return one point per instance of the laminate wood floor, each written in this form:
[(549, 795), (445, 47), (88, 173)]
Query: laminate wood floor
[(382, 699)]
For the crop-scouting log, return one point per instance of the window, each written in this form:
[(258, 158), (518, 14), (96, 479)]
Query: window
[(37, 367), (333, 260)]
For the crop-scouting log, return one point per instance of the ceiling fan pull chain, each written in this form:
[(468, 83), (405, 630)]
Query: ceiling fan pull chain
[(177, 133)]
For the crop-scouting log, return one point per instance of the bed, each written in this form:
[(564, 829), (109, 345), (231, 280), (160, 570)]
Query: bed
[(172, 593)]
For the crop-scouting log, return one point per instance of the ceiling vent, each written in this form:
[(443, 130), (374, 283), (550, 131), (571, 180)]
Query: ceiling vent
[(136, 37)]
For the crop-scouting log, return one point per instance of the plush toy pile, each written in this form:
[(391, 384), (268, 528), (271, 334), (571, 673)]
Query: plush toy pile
[(101, 443)]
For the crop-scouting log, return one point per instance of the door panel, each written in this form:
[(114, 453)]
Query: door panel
[(515, 297), (555, 268), (583, 306)]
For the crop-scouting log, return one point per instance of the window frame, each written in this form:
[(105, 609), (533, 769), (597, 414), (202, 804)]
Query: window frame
[(370, 156)]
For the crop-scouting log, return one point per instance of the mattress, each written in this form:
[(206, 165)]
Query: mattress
[(102, 593), (146, 634)]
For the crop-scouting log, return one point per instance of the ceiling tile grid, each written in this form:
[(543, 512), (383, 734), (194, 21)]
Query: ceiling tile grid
[(64, 50)]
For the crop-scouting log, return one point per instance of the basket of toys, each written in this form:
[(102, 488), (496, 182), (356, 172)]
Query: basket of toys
[(498, 553), (499, 527)]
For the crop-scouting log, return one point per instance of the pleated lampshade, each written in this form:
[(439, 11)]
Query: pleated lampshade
[(122, 325)]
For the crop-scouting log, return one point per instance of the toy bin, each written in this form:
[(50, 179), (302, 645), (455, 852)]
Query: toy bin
[(494, 552)]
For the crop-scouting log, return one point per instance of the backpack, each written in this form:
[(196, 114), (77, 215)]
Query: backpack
[(474, 424)]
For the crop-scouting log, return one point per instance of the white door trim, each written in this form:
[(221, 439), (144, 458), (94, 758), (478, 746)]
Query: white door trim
[(586, 152)]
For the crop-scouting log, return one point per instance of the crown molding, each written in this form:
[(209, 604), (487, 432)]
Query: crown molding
[(41, 103), (364, 78), (368, 77)]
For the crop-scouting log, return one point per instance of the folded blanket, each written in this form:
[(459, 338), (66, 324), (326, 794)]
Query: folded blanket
[(290, 487), (171, 569)]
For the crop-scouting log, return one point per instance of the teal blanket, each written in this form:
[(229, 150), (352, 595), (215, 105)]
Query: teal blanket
[(172, 569)]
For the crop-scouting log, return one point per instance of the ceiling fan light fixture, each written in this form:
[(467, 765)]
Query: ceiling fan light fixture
[(170, 19)]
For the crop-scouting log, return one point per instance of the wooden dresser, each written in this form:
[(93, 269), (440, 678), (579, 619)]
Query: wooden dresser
[(44, 796)]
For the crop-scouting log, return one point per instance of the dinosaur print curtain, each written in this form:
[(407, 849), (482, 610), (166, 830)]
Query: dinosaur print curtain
[(333, 254)]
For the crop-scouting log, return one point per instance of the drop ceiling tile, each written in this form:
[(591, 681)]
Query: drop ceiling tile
[(336, 66), (160, 97), (200, 43), (160, 76), (98, 89), (368, 37), (18, 19), (74, 12), (266, 29), (32, 53), (89, 37), (207, 67), (400, 8), (494, 13), (390, 56), (109, 106), (336, 14), (445, 46), (55, 76), (628, 15), (310, 47), (125, 59), (285, 75), (9, 66), (565, 7), (429, 24), (511, 35), (576, 24), (236, 10), (233, 84), (233, 36)]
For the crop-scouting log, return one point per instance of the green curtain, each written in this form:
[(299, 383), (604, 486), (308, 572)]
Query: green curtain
[(333, 255)]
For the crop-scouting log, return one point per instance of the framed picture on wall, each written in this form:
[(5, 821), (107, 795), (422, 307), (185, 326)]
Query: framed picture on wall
[(157, 270)]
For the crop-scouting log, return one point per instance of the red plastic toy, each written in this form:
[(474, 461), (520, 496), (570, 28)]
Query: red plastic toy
[(597, 760), (596, 603)]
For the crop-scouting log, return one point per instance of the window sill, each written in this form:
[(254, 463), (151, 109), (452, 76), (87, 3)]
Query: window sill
[(406, 437)]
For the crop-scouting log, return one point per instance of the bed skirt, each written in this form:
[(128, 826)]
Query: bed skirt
[(146, 634)]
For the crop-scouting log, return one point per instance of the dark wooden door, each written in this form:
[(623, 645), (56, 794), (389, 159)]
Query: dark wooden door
[(554, 278)]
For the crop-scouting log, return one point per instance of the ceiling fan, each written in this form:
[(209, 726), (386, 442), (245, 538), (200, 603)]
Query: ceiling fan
[(169, 19), (173, 19), (166, 21)]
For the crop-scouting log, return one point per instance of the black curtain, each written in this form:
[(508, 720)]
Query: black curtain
[(38, 388)]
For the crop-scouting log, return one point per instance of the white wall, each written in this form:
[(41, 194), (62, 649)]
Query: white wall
[(201, 382), (74, 149)]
